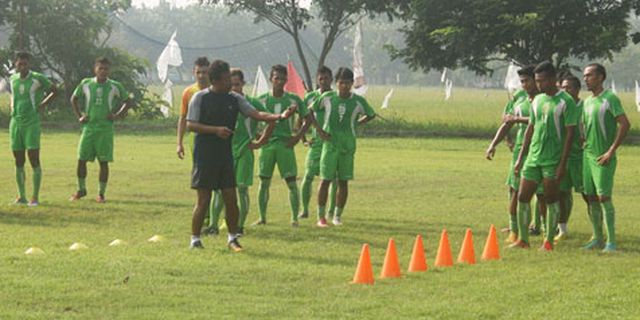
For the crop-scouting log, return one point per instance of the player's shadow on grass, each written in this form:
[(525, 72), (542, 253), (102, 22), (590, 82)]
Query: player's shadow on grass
[(47, 219)]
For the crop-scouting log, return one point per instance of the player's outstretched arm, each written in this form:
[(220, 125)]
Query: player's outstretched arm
[(500, 135), (621, 133), (222, 132), (528, 134)]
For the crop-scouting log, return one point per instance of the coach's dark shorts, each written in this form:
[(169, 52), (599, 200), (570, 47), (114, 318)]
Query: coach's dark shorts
[(213, 177)]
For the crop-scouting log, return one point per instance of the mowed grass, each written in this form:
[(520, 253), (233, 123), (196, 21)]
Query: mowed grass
[(403, 187)]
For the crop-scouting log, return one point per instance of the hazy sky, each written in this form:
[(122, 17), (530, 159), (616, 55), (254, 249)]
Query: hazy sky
[(182, 3)]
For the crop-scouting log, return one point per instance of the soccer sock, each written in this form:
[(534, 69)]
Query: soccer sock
[(215, 209), (263, 198), (332, 196), (513, 222), (552, 220), (524, 209), (82, 184), (294, 199), (305, 193), (20, 182), (243, 194), (37, 180), (231, 237), (596, 220), (339, 212), (321, 212), (103, 188), (610, 221), (194, 239)]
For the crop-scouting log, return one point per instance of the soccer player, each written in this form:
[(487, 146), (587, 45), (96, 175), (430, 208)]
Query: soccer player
[(344, 111), (279, 149), (31, 92), (100, 95), (549, 135), (243, 144), (324, 78), (573, 179), (202, 82), (517, 113), (212, 116), (606, 126)]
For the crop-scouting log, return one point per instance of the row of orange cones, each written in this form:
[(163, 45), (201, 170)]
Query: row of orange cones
[(418, 263)]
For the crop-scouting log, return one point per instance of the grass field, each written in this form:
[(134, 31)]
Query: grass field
[(403, 187)]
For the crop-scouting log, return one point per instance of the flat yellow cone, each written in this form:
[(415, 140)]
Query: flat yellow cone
[(34, 251), (156, 238), (117, 242), (76, 246)]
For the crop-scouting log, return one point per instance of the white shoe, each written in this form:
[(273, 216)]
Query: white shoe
[(336, 221)]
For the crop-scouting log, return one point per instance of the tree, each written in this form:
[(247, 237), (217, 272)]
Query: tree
[(65, 37), (472, 34), (337, 16)]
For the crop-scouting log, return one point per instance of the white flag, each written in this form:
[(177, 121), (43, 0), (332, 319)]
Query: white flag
[(613, 86), (260, 85), (443, 77), (167, 96), (360, 83), (512, 80), (385, 102), (637, 96), (170, 56), (448, 86)]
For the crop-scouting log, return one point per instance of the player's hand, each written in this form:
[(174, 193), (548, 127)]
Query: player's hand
[(180, 151), (323, 135), (508, 118), (490, 153), (293, 141), (289, 112), (517, 167), (604, 159), (223, 132), (83, 119)]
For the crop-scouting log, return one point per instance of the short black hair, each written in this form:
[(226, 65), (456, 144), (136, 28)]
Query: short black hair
[(527, 71), (217, 69), (599, 69), (23, 55), (235, 72), (325, 70), (102, 60), (201, 62), (575, 82), (344, 73), (545, 67), (279, 69)]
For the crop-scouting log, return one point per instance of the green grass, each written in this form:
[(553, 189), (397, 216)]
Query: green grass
[(403, 187)]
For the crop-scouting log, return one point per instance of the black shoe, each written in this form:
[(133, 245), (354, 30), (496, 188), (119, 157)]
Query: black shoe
[(240, 232), (211, 231), (303, 215), (534, 231), (234, 245), (196, 245)]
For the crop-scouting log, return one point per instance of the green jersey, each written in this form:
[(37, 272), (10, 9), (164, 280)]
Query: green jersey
[(100, 100), (246, 128), (578, 136), (519, 106), (26, 96), (341, 117), (599, 115), (309, 99), (284, 128), (549, 117)]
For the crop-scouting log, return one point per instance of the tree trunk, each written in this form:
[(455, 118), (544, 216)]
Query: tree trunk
[(303, 60)]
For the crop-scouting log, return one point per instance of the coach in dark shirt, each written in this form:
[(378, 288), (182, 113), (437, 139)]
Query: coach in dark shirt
[(212, 116)]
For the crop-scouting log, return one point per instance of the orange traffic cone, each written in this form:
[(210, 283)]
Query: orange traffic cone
[(491, 250), (444, 258), (364, 271), (418, 261), (391, 266), (467, 254)]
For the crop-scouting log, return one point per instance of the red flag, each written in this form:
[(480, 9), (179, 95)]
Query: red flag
[(294, 82)]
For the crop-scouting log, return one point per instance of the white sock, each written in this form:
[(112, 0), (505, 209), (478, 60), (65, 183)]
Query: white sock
[(562, 227), (195, 238), (230, 237)]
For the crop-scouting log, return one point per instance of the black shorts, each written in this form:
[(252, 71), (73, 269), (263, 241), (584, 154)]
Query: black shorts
[(213, 177)]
